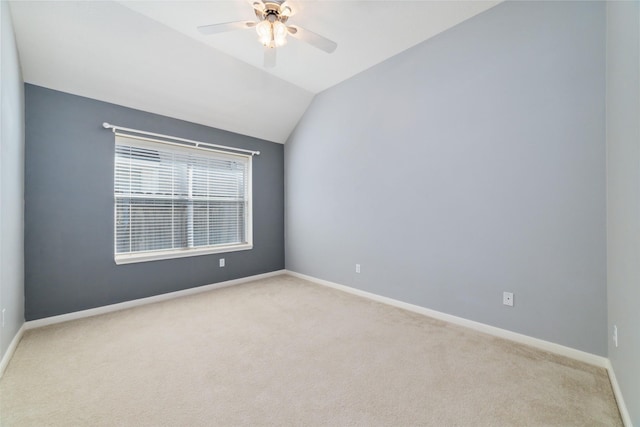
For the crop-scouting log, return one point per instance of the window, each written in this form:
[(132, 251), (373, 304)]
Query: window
[(173, 201)]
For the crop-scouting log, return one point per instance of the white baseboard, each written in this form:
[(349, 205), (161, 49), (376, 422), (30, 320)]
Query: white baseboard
[(550, 347), (11, 349), (143, 301), (624, 412)]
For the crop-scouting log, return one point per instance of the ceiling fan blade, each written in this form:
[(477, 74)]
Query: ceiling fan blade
[(269, 57), (315, 40), (226, 26)]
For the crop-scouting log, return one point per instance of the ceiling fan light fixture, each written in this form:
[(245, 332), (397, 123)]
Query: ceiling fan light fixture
[(272, 34), (279, 33), (265, 32)]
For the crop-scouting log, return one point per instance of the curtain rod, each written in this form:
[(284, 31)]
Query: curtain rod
[(197, 144)]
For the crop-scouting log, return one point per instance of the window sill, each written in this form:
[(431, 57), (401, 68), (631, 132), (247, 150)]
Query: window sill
[(160, 255)]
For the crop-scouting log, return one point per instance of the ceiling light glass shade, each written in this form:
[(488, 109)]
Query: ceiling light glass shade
[(265, 32), (279, 33)]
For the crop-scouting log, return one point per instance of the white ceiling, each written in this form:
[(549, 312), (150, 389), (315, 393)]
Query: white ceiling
[(148, 54)]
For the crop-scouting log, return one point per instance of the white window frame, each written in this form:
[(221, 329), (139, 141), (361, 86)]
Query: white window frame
[(155, 255)]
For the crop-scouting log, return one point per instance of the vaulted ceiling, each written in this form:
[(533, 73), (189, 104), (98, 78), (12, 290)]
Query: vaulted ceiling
[(148, 55)]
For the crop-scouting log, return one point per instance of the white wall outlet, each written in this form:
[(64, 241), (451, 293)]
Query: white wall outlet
[(221, 262), (4, 310), (507, 298), (357, 268), (615, 335)]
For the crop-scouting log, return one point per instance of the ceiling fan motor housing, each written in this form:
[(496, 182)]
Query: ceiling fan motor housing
[(273, 11)]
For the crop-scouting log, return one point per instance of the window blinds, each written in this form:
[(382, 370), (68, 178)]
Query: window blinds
[(170, 198)]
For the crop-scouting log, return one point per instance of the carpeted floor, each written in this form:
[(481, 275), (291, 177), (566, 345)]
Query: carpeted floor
[(282, 351)]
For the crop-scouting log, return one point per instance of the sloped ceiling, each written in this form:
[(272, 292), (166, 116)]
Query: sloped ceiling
[(149, 56)]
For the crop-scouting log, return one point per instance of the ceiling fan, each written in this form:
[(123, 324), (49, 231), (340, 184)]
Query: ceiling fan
[(272, 29)]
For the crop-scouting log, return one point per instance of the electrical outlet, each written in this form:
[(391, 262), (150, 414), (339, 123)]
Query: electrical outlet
[(4, 310), (221, 262), (357, 268), (615, 335), (507, 298)]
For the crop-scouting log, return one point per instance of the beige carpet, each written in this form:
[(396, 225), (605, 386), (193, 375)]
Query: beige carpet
[(283, 351)]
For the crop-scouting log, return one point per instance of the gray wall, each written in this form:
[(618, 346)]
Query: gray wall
[(11, 184), (69, 208), (623, 196), (469, 165)]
